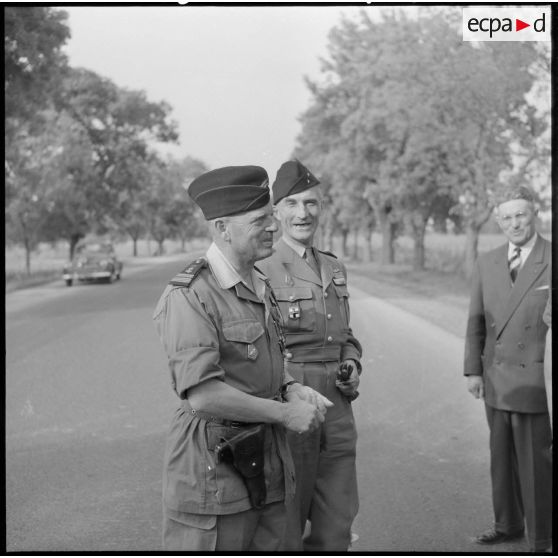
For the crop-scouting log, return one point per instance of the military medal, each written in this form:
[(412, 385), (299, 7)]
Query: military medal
[(294, 311), (252, 352)]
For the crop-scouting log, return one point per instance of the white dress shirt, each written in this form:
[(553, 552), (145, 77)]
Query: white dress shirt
[(525, 250)]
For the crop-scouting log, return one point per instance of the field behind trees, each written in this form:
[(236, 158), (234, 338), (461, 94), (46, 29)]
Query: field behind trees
[(444, 257)]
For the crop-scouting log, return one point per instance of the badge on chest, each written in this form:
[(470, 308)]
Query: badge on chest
[(294, 311), (252, 352)]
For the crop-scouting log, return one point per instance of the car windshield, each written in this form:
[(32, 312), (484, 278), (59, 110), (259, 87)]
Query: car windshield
[(94, 248)]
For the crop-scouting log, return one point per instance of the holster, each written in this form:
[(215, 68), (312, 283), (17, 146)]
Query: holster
[(245, 452)]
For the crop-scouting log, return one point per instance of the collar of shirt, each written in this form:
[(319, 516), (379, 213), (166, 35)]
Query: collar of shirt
[(525, 249), (227, 276), (296, 246)]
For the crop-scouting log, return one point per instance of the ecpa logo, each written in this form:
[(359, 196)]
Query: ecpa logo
[(507, 23)]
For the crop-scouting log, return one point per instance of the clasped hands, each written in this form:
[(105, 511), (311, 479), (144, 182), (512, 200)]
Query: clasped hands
[(305, 408)]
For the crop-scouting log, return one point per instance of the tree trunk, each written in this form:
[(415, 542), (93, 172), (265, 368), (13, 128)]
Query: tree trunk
[(355, 244), (160, 247), (327, 238), (135, 246), (183, 244), (471, 247), (368, 247), (418, 249), (344, 238), (418, 223), (74, 239), (27, 246), (388, 236)]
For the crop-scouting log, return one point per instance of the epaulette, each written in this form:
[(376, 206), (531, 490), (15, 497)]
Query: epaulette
[(328, 253), (189, 273)]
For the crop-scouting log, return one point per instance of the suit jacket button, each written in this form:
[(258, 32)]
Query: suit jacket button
[(521, 345), (288, 355), (325, 295), (522, 365), (330, 339), (493, 324)]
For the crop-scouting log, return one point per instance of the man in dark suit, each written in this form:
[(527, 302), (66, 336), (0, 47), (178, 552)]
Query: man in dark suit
[(504, 353)]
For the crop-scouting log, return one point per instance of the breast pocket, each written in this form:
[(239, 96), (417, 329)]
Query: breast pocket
[(242, 336), (297, 308)]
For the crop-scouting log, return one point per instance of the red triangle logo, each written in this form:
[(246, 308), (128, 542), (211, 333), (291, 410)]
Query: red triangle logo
[(519, 25)]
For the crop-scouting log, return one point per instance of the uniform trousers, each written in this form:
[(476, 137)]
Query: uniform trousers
[(252, 530), (521, 474), (325, 470)]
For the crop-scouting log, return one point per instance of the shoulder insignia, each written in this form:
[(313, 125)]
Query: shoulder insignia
[(189, 273), (328, 253)]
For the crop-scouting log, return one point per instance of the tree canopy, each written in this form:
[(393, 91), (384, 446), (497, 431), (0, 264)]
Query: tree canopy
[(410, 117), (33, 57), (81, 153)]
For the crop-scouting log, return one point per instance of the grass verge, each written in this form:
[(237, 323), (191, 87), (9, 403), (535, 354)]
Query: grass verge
[(16, 281), (438, 297)]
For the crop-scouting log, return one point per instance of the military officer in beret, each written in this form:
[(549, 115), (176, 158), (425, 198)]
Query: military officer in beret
[(228, 469), (311, 288), (504, 352)]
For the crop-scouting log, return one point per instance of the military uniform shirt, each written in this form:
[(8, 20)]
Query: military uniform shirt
[(218, 328), (315, 310)]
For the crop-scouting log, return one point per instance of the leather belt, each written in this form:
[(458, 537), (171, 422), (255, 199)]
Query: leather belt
[(313, 354), (211, 418)]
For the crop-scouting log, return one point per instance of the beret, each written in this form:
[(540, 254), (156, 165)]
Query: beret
[(230, 191), (292, 178), (515, 193)]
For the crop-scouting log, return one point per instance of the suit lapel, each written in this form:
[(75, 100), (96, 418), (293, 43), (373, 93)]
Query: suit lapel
[(532, 269), (499, 276)]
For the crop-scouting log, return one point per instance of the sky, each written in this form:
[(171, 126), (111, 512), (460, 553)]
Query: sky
[(234, 76)]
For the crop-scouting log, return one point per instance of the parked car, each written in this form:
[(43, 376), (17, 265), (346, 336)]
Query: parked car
[(93, 261)]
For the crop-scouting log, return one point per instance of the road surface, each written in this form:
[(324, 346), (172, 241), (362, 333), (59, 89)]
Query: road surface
[(89, 400)]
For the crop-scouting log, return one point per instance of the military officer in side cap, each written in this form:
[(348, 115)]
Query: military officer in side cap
[(228, 468), (504, 352), (311, 288)]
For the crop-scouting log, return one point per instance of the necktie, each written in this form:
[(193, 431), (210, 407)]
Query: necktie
[(312, 261), (514, 263)]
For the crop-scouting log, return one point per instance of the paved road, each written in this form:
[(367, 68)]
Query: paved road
[(88, 403)]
